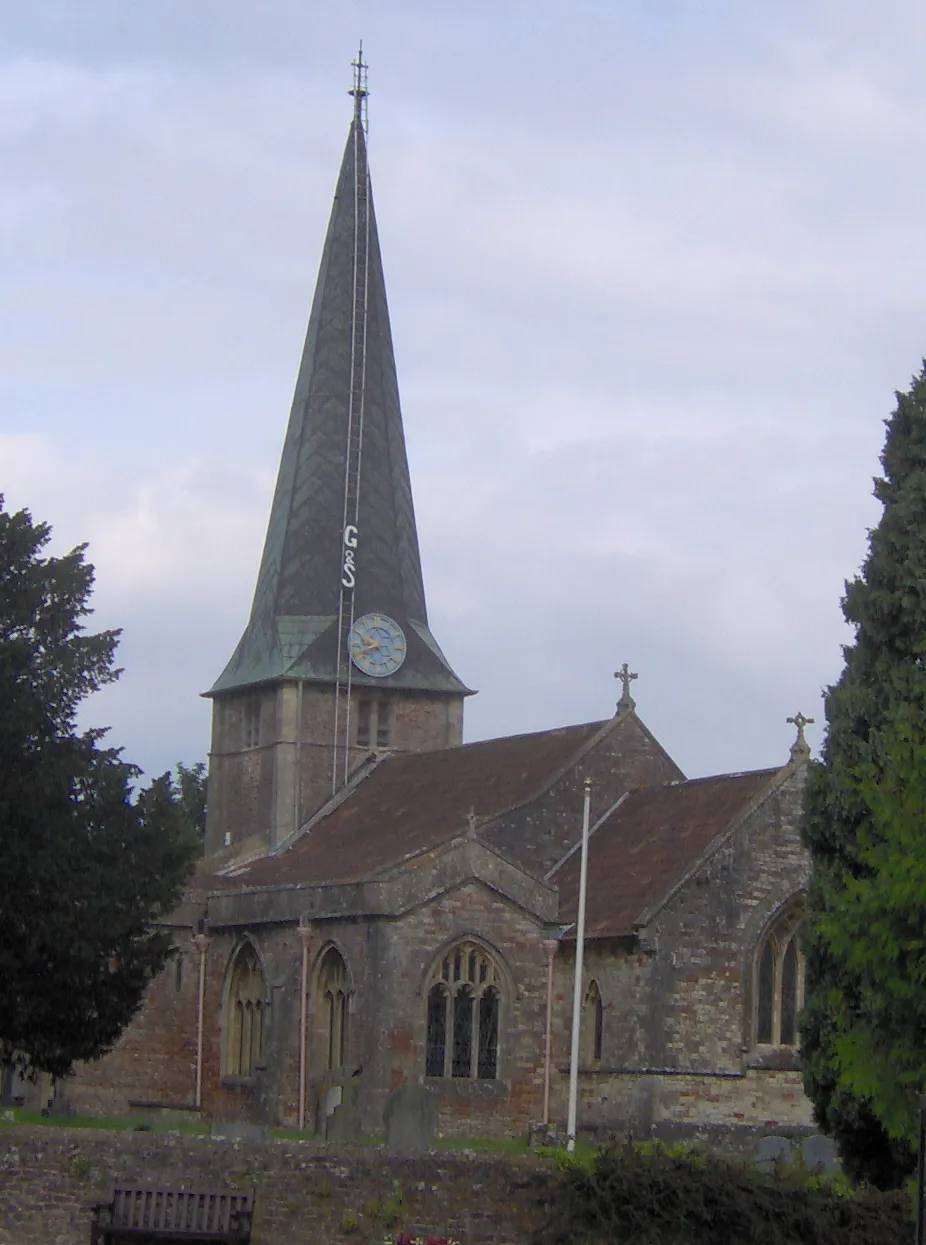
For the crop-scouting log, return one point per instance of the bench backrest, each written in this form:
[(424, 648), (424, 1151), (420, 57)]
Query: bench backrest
[(181, 1210)]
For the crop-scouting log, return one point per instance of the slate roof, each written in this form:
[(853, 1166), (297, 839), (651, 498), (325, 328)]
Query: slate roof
[(292, 631), (647, 844), (412, 802)]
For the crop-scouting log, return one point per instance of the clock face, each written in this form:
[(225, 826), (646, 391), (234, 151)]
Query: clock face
[(377, 645)]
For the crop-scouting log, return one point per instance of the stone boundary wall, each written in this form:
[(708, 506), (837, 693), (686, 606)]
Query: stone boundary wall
[(306, 1193)]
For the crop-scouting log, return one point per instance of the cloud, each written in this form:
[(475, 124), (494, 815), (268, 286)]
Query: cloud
[(648, 319)]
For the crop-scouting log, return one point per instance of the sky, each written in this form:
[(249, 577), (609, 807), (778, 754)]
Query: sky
[(655, 271)]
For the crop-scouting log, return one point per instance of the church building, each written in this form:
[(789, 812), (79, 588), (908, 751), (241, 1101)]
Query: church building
[(380, 903)]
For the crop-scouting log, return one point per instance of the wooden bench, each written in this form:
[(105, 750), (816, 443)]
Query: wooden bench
[(145, 1214)]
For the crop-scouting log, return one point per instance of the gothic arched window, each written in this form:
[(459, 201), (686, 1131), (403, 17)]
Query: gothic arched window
[(592, 1024), (778, 982), (464, 998), (247, 1014), (333, 993)]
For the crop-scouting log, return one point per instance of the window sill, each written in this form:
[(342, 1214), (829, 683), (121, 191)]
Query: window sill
[(243, 1083), (466, 1088), (774, 1058)]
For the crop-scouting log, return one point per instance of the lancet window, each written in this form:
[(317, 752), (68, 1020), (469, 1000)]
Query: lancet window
[(333, 994), (592, 1024), (247, 1015), (779, 981), (463, 1013)]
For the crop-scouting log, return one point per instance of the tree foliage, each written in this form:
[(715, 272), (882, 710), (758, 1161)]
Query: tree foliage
[(189, 790), (863, 1029), (86, 867)]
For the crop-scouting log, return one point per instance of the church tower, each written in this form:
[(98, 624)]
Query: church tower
[(337, 659)]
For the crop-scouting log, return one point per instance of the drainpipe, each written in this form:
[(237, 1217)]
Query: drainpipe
[(549, 946), (304, 934), (577, 985), (201, 943)]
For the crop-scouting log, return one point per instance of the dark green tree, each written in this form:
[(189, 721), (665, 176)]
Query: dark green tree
[(866, 967), (86, 866), (188, 783)]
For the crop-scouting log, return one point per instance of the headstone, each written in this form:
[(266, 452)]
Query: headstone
[(820, 1154), (411, 1119), (773, 1152), (237, 1130), (343, 1125), (342, 1122)]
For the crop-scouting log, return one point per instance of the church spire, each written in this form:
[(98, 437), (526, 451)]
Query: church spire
[(343, 492)]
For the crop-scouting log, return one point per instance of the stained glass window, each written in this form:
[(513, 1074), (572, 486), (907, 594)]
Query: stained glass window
[(779, 981), (488, 1034), (436, 1052), (463, 1032), (463, 1012), (333, 992), (788, 994), (766, 993), (247, 1015)]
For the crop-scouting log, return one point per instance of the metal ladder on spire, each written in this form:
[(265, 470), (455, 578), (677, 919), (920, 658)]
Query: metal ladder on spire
[(340, 752)]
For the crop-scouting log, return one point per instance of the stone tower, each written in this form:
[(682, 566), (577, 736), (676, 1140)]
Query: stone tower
[(337, 659)]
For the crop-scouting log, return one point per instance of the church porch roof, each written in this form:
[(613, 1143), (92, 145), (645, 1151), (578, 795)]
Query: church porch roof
[(647, 843)]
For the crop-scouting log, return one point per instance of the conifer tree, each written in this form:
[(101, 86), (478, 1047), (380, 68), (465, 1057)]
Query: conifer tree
[(86, 865), (863, 1031)]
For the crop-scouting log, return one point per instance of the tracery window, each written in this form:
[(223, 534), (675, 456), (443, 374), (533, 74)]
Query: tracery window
[(247, 1015), (779, 981), (463, 1015), (333, 993), (592, 1024)]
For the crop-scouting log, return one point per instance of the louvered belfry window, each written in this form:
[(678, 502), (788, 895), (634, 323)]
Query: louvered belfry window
[(463, 1013)]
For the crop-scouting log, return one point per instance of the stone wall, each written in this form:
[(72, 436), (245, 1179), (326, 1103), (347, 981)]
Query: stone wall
[(678, 1035), (49, 1177), (262, 794)]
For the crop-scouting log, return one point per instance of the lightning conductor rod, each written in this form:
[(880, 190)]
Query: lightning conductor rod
[(577, 984), (355, 411)]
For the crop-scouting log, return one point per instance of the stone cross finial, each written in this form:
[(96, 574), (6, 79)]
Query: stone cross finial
[(800, 748), (626, 676)]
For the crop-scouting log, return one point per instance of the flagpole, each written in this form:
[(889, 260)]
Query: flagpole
[(577, 984)]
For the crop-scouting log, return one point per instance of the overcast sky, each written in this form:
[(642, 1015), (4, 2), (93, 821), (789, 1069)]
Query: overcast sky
[(655, 269)]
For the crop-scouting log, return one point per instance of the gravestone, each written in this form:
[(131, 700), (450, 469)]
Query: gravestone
[(820, 1154), (411, 1119), (773, 1152), (342, 1123)]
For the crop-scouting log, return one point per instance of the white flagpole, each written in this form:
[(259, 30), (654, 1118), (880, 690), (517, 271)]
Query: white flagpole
[(577, 984)]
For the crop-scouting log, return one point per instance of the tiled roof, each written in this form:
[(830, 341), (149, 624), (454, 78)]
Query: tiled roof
[(411, 802), (647, 844), (292, 631)]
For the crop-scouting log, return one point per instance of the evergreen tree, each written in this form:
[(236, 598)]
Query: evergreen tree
[(865, 1016), (85, 866), (189, 788)]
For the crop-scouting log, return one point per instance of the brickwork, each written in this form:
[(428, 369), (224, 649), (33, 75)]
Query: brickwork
[(49, 1177)]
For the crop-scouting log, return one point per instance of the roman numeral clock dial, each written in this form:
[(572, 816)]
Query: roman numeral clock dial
[(377, 645)]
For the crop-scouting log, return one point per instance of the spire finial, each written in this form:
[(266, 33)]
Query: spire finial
[(359, 89), (800, 749), (626, 676)]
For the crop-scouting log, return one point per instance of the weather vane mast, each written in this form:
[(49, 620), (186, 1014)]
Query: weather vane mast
[(359, 89)]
